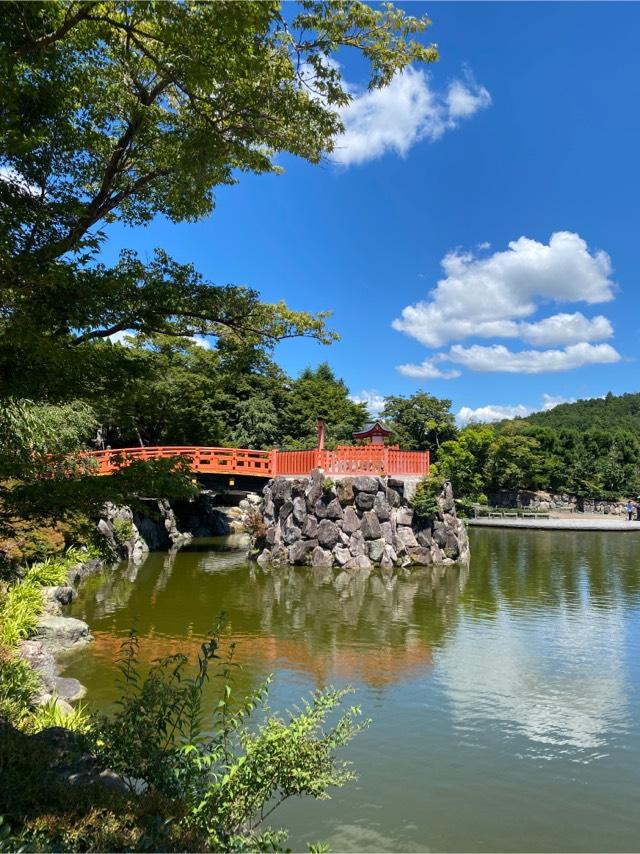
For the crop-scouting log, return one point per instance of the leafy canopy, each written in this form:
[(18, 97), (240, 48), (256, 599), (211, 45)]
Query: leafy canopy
[(419, 422), (117, 111)]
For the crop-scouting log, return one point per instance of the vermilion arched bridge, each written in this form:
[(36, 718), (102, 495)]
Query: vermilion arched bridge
[(344, 460)]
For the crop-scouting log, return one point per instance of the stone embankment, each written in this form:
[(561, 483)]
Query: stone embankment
[(563, 502), (354, 522)]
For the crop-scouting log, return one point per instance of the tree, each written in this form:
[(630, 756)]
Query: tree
[(514, 461), (320, 393), (463, 461), (114, 111), (420, 422)]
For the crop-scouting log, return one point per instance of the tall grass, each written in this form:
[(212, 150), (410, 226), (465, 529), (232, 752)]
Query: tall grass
[(20, 613)]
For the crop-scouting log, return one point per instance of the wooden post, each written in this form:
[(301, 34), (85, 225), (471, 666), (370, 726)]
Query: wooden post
[(320, 428), (273, 462)]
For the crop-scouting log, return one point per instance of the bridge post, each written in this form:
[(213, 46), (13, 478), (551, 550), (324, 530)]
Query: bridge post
[(273, 462)]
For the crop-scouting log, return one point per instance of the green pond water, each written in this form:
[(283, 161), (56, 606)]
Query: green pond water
[(504, 698)]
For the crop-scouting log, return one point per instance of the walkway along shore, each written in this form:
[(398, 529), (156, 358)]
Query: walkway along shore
[(556, 524)]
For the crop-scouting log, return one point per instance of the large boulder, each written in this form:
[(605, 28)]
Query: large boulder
[(281, 490), (365, 500), (405, 535), (404, 516), (375, 548), (344, 490), (299, 509), (63, 632), (328, 534), (350, 521), (310, 527), (286, 509), (382, 507), (356, 544), (314, 487), (387, 531), (321, 557), (341, 554), (334, 509), (290, 531), (371, 529), (364, 483), (299, 552)]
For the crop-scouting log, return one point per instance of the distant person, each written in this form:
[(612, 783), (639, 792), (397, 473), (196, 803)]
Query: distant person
[(638, 509), (630, 509)]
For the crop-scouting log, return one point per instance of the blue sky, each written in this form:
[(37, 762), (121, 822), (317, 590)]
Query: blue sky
[(527, 127)]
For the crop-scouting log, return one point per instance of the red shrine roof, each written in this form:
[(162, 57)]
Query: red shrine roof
[(373, 428)]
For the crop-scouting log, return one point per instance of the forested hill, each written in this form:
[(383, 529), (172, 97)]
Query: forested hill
[(606, 413)]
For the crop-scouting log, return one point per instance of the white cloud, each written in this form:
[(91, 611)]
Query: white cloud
[(373, 399), (121, 337), (497, 358), (499, 411), (201, 341), (465, 99), (566, 329), (491, 412), (490, 297), (10, 176), (408, 110), (429, 369)]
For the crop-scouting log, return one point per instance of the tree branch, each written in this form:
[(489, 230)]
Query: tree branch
[(69, 22)]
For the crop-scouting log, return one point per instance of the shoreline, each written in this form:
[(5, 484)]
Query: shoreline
[(556, 524)]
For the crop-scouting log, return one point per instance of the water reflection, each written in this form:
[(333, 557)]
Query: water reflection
[(504, 699), (371, 627), (548, 659)]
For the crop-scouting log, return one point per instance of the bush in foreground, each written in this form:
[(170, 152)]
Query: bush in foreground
[(193, 778)]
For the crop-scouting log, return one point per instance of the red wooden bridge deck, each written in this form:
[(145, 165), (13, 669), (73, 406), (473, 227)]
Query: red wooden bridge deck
[(345, 460)]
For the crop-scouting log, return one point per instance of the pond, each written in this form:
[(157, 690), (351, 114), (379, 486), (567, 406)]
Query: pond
[(504, 698)]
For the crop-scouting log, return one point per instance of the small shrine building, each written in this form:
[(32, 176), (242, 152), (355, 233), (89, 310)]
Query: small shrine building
[(375, 432)]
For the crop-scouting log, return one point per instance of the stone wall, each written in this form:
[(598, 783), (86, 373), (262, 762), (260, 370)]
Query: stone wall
[(355, 522), (526, 499)]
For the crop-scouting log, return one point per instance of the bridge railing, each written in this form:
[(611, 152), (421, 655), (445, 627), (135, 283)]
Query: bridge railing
[(218, 460), (345, 460)]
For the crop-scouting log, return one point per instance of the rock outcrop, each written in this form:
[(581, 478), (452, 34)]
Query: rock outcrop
[(356, 522)]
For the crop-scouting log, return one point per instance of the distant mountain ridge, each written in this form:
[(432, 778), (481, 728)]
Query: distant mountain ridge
[(612, 412)]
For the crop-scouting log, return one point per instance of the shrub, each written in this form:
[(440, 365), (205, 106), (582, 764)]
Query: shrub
[(327, 485), (425, 499), (19, 683), (222, 776), (51, 714), (123, 529), (254, 523)]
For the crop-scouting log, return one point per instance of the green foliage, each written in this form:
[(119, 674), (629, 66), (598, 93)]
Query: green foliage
[(20, 612), (320, 393), (420, 422), (29, 432), (23, 603), (425, 499), (463, 461), (223, 776), (123, 529), (51, 714), (327, 485), (119, 112), (19, 683)]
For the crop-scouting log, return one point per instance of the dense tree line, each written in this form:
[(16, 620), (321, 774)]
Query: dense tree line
[(590, 449)]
